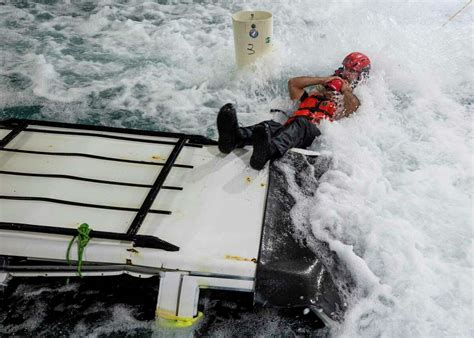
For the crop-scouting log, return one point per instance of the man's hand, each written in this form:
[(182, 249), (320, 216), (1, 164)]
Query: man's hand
[(351, 102), (346, 87), (297, 85)]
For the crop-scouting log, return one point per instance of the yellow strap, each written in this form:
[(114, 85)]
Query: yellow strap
[(170, 320)]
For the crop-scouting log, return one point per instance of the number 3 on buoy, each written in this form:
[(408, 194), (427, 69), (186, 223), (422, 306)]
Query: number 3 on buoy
[(250, 49)]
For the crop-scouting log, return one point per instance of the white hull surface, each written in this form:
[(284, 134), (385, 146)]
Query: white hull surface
[(215, 219), (157, 203)]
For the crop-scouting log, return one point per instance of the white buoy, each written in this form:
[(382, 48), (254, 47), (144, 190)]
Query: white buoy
[(253, 34)]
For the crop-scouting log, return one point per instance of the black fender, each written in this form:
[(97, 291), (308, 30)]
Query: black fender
[(295, 270)]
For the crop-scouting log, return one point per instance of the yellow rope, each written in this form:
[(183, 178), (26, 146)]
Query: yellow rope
[(455, 14)]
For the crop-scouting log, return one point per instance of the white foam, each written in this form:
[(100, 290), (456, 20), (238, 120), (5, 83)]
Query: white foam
[(395, 192), (397, 204)]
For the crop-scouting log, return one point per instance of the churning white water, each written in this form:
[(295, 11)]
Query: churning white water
[(396, 205)]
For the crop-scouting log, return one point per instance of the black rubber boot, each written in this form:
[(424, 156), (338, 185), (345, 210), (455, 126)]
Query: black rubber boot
[(228, 128), (262, 147)]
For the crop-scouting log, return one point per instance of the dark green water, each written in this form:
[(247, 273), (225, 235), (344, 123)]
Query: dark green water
[(125, 306)]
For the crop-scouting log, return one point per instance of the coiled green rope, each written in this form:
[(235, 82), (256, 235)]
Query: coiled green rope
[(82, 240)]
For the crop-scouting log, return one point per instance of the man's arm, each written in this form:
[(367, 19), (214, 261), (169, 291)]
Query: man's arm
[(351, 102), (297, 85)]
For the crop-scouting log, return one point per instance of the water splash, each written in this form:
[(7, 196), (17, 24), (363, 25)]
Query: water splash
[(396, 205)]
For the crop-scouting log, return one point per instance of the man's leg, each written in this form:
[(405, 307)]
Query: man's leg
[(299, 133), (247, 132), (231, 135)]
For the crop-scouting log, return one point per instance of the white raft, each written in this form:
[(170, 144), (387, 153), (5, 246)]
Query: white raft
[(157, 203)]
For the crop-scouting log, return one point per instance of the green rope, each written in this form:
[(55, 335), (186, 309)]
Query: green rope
[(82, 240)]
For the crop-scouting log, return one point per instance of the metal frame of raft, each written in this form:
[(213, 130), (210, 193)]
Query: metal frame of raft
[(283, 274), (18, 126)]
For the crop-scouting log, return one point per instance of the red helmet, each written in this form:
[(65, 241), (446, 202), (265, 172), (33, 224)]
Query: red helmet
[(356, 61), (334, 85)]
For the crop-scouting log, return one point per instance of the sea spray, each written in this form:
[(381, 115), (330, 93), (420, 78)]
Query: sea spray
[(396, 204)]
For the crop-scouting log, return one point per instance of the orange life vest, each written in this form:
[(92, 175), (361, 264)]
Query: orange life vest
[(315, 108)]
